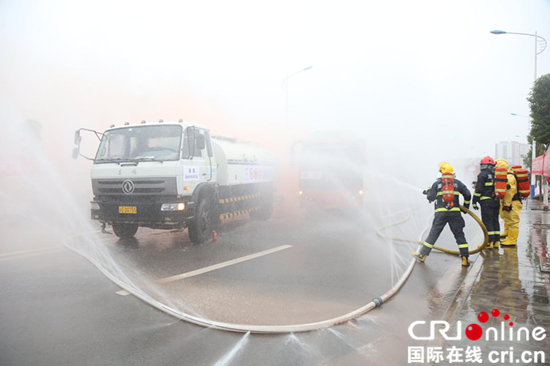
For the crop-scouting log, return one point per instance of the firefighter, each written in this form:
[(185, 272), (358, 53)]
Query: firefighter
[(446, 213), (490, 205), (510, 207)]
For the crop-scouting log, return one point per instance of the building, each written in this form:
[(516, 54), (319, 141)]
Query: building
[(512, 151)]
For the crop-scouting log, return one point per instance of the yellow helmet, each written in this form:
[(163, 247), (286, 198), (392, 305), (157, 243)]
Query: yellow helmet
[(447, 168), (441, 164), (502, 163)]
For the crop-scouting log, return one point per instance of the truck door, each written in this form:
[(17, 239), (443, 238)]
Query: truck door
[(197, 150), (213, 171)]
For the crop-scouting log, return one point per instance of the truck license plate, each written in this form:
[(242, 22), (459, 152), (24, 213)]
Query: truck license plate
[(127, 209)]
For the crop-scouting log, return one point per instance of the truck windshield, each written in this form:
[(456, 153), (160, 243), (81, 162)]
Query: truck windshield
[(155, 143), (331, 166), (331, 153)]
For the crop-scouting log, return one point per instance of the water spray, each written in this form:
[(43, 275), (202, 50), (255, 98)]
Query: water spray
[(294, 328), (263, 329), (445, 250)]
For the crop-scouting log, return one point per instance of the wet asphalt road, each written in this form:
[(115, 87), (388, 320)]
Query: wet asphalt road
[(58, 309)]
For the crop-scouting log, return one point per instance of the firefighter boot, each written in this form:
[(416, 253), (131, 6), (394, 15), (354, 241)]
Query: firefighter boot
[(496, 244), (511, 240), (465, 261), (504, 234), (419, 257), (488, 246)]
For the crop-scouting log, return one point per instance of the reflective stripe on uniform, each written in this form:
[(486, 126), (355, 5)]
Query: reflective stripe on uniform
[(462, 246), (428, 245), (449, 210), (493, 232), (488, 184), (466, 202), (441, 193), (477, 194), (485, 198)]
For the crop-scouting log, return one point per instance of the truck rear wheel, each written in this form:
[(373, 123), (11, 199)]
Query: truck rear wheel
[(124, 231), (202, 224)]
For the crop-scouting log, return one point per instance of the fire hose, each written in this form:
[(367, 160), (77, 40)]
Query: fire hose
[(450, 251), (278, 329)]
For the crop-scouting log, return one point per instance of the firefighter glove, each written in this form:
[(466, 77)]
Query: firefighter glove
[(475, 206), (507, 208), (426, 191)]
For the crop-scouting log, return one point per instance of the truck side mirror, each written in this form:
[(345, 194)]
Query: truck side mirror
[(77, 137), (294, 155), (76, 152)]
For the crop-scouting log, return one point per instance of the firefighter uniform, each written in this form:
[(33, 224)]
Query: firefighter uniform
[(446, 213), (490, 205), (510, 206)]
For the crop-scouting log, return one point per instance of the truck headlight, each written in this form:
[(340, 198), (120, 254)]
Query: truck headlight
[(94, 206), (172, 206)]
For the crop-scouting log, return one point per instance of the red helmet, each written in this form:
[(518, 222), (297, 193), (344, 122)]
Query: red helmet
[(487, 160)]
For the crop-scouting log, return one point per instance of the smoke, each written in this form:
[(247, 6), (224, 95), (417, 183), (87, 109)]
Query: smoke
[(419, 83)]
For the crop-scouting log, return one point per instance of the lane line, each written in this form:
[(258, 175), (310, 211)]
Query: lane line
[(28, 251), (30, 255), (123, 293), (222, 265)]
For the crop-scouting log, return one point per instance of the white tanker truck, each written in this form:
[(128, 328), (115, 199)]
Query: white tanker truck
[(175, 176)]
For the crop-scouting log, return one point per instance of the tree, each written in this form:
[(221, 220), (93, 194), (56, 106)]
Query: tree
[(539, 102), (540, 150)]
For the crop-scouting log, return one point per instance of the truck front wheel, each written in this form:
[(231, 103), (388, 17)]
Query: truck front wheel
[(124, 231), (202, 224)]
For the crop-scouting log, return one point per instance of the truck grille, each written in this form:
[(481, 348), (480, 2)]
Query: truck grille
[(141, 187)]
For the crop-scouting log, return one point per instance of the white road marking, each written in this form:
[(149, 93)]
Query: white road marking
[(123, 293), (223, 264), (31, 253), (28, 251)]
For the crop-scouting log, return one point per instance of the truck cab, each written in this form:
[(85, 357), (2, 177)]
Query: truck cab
[(165, 176), (331, 172)]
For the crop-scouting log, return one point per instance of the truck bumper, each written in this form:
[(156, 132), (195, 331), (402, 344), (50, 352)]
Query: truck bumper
[(148, 214)]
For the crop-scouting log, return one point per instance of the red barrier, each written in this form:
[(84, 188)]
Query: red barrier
[(541, 164), (538, 165)]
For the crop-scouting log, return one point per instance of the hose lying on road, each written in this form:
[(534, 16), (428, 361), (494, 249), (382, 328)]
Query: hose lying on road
[(450, 251), (277, 329), (243, 328)]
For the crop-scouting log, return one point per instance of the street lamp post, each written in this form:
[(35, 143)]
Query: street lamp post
[(285, 87), (538, 40)]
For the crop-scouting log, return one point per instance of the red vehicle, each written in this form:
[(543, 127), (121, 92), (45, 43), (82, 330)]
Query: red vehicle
[(330, 171)]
